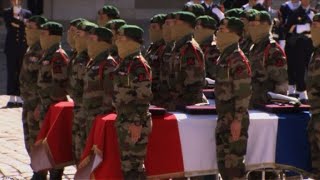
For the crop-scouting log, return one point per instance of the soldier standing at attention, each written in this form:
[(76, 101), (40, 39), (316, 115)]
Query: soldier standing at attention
[(204, 35), (77, 68), (154, 53), (187, 64), (70, 36), (299, 48), (313, 85), (28, 84), (106, 14), (15, 47), (132, 96), (114, 25), (52, 76), (164, 90), (267, 59), (233, 92), (94, 100)]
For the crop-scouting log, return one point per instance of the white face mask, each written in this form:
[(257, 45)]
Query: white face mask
[(16, 9)]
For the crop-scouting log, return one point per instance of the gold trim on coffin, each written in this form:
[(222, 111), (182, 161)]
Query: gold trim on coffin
[(86, 160)]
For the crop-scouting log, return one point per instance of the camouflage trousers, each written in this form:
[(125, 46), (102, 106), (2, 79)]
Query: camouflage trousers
[(78, 133), (314, 140), (230, 154), (132, 155), (31, 126)]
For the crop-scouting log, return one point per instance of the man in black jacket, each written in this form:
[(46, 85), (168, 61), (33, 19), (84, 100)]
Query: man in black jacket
[(15, 48)]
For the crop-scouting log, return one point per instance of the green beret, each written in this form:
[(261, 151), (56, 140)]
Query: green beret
[(207, 22), (54, 28), (115, 24), (236, 12), (76, 21), (86, 26), (110, 11), (234, 24), (132, 31), (246, 14), (171, 15), (187, 17), (316, 18), (196, 9), (104, 34), (262, 16), (159, 19), (39, 20)]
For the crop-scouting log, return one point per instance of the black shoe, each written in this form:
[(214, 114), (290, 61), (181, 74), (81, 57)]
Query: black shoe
[(56, 174), (294, 95), (10, 105), (18, 105), (39, 176)]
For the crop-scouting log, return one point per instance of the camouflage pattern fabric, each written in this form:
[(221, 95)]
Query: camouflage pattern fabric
[(211, 55), (52, 78), (313, 87), (153, 56), (269, 70), (93, 90), (132, 96), (28, 90), (187, 73), (245, 45), (233, 92), (76, 70)]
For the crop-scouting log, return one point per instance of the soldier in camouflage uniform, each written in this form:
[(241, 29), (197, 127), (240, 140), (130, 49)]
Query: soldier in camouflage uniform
[(70, 36), (77, 67), (187, 64), (52, 76), (132, 96), (196, 9), (267, 59), (313, 85), (95, 100), (154, 52), (106, 14), (204, 35), (114, 25), (28, 83), (232, 92), (164, 90)]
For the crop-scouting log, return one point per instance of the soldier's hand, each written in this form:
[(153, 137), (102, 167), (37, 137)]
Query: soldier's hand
[(36, 113), (135, 132), (235, 129)]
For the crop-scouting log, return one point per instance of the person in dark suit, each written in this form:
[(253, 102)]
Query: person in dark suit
[(36, 6), (15, 48)]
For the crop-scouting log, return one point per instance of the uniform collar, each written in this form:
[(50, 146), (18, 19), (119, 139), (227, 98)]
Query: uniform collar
[(132, 55), (183, 41), (229, 50), (53, 48)]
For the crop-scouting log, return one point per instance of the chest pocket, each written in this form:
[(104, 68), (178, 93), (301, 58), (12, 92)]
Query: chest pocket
[(121, 78), (222, 72), (45, 72)]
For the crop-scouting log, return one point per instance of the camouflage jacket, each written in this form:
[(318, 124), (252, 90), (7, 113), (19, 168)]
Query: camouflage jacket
[(153, 56), (187, 72), (76, 71), (211, 55), (95, 77), (245, 45), (132, 89), (233, 84), (269, 70), (29, 72), (114, 54), (313, 82), (52, 76)]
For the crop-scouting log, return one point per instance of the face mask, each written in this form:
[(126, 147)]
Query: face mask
[(166, 33), (315, 36), (70, 39), (258, 32), (16, 9), (202, 34), (97, 47), (155, 35), (225, 39), (32, 36), (180, 30), (80, 43), (46, 41), (127, 47)]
